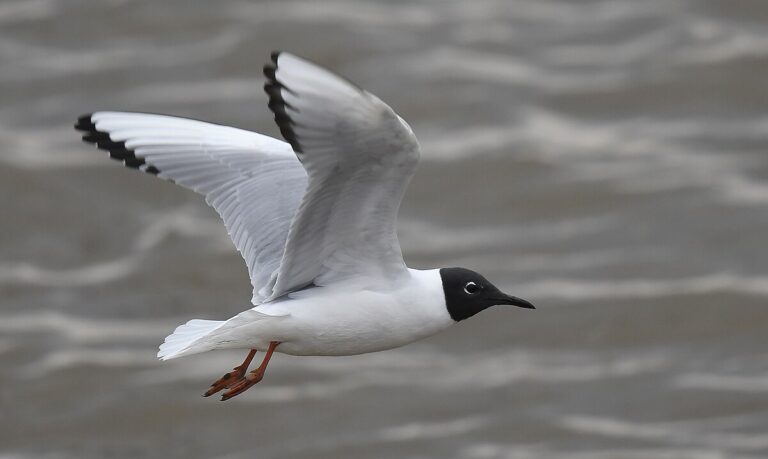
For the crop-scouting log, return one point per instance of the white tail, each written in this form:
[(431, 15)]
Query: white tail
[(182, 341)]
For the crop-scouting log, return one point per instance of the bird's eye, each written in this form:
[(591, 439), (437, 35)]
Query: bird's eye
[(471, 288)]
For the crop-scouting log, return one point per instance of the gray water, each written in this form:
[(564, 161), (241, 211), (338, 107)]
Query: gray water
[(604, 159)]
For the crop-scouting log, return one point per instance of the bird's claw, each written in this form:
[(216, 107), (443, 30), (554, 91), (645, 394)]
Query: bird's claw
[(242, 385), (229, 379)]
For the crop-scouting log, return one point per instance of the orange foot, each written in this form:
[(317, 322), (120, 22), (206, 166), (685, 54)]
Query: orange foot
[(233, 377), (243, 383)]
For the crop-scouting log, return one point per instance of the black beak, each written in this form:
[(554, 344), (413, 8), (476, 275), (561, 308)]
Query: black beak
[(515, 301)]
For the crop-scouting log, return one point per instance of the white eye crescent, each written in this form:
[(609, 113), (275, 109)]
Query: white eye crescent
[(471, 288)]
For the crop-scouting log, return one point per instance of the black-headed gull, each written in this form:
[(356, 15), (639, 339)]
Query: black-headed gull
[(314, 218)]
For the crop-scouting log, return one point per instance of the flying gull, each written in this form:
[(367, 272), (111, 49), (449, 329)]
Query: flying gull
[(314, 217)]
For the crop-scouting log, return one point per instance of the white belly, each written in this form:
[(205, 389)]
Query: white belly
[(346, 321)]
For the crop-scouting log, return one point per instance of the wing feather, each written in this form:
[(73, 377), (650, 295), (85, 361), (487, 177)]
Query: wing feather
[(359, 156), (254, 182)]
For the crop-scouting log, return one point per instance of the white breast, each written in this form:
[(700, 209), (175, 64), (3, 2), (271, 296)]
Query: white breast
[(355, 318)]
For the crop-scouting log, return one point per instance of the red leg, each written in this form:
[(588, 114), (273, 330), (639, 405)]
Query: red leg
[(232, 377), (251, 378)]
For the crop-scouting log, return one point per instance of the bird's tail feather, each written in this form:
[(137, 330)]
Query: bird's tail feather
[(184, 339)]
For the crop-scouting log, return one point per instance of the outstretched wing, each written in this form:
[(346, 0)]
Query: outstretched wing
[(254, 182), (359, 155)]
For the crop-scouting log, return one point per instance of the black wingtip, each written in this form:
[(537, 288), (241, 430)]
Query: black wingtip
[(84, 123), (269, 72), (277, 104), (134, 162), (117, 150)]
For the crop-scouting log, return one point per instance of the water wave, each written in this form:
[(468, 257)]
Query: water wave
[(424, 430), (692, 433), (424, 370), (451, 63), (41, 148), (183, 222), (342, 12), (27, 10), (636, 155), (583, 290), (82, 330), (191, 92), (97, 273), (444, 239), (535, 451), (724, 382), (74, 358), (40, 62)]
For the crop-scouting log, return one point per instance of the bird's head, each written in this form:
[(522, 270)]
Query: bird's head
[(467, 293)]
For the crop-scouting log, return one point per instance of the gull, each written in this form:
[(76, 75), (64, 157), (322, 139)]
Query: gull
[(314, 217)]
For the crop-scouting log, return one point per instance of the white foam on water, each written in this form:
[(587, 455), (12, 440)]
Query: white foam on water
[(741, 190), (190, 92), (717, 42), (82, 330), (610, 54), (505, 368), (382, 14), (27, 10), (84, 339), (203, 368), (183, 222), (36, 455), (697, 40), (493, 31), (23, 273), (307, 391), (548, 136), (579, 16), (69, 358), (431, 430), (451, 62), (535, 451), (723, 382), (427, 371), (40, 148), (340, 375), (53, 62), (499, 369), (586, 259), (444, 239), (557, 135), (444, 145), (637, 155), (646, 161), (580, 290), (351, 437), (343, 12), (676, 433)]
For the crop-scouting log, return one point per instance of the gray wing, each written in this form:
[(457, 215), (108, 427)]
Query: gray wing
[(359, 155), (254, 182)]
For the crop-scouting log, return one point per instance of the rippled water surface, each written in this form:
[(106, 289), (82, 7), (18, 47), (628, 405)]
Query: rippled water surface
[(605, 159)]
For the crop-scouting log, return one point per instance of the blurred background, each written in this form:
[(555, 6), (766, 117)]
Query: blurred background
[(604, 159)]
